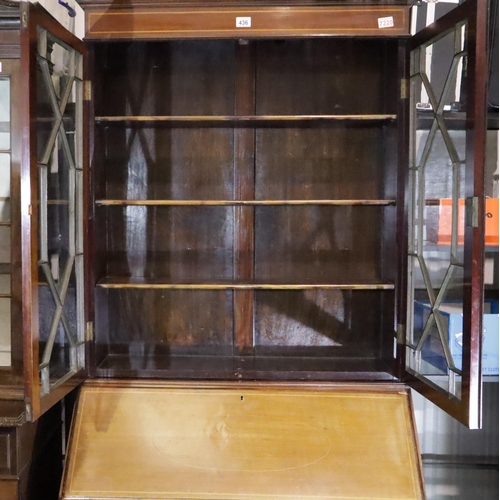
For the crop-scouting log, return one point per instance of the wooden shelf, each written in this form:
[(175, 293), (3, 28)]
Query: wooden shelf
[(242, 202), (257, 367), (192, 284), (57, 202), (242, 120), (5, 223)]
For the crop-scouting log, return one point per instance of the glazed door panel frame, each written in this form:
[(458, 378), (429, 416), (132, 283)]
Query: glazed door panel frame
[(36, 28), (467, 408)]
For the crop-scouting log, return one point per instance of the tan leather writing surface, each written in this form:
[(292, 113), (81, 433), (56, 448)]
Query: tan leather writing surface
[(242, 443)]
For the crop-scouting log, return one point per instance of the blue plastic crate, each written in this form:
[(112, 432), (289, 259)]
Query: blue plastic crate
[(432, 351)]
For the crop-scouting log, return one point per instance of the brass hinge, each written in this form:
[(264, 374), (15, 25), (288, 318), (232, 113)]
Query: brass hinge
[(24, 20), (89, 333), (472, 211), (404, 88), (87, 90), (401, 334)]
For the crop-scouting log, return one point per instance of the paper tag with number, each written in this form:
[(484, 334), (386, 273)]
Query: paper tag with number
[(385, 22), (243, 22)]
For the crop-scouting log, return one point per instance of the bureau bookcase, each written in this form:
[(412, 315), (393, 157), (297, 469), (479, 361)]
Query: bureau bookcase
[(233, 191)]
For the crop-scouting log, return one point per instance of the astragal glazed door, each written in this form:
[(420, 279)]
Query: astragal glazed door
[(52, 209), (441, 346)]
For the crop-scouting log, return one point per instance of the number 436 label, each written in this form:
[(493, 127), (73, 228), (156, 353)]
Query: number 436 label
[(243, 22)]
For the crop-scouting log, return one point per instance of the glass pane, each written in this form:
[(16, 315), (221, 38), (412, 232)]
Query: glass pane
[(4, 210), (433, 358), (4, 114), (4, 245), (4, 175), (46, 312), (5, 331), (4, 187), (4, 284), (58, 217), (61, 362), (46, 119)]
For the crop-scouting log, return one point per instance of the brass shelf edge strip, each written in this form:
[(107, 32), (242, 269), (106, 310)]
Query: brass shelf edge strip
[(243, 202)]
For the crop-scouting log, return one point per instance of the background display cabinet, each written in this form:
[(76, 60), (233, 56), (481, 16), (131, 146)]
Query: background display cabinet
[(207, 196)]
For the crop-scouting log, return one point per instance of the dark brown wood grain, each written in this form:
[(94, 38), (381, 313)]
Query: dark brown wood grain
[(325, 163), (339, 77), (29, 214), (161, 322), (10, 44), (170, 242), (332, 243), (151, 163), (476, 89), (389, 230), (178, 163), (94, 185), (402, 210), (244, 189), (186, 78), (337, 323)]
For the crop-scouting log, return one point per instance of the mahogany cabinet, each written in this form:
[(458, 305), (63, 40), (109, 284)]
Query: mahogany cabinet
[(235, 191)]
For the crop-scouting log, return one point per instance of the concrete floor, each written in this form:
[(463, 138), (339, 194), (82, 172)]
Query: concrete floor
[(461, 482)]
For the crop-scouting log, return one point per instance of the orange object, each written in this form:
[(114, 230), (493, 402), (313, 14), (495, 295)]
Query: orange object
[(445, 218), (491, 228)]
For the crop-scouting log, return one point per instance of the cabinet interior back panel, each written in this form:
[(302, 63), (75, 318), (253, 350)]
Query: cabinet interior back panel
[(168, 164), (149, 323), (329, 243), (170, 242), (322, 163), (167, 78), (259, 334), (326, 322), (336, 77)]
